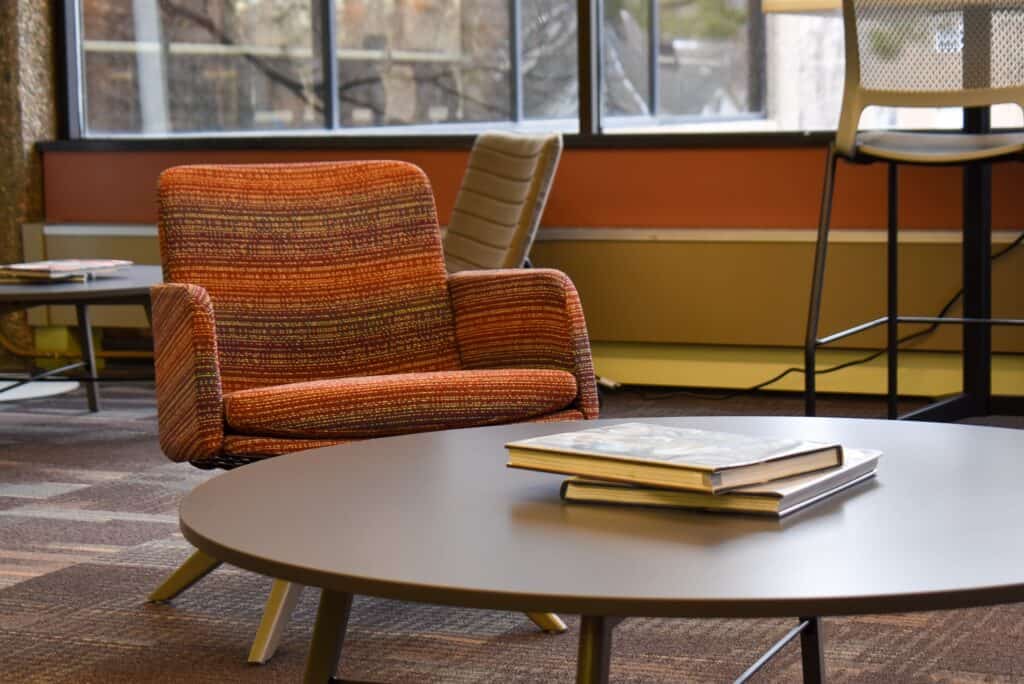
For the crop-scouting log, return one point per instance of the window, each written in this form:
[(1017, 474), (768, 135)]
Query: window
[(671, 64), (183, 66), (159, 67), (306, 67)]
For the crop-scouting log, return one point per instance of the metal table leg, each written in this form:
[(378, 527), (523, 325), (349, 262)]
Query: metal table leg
[(328, 636), (595, 652), (812, 642), (88, 356)]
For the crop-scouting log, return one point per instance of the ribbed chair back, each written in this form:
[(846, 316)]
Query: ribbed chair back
[(930, 53), (500, 202), (315, 271)]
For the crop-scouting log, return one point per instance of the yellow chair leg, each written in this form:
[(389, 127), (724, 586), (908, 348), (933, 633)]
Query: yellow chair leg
[(198, 566), (280, 604), (549, 622)]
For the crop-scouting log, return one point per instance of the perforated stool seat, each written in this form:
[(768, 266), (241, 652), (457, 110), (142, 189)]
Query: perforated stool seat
[(938, 148)]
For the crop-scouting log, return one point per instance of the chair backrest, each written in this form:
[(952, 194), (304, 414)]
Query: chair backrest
[(930, 53), (500, 202), (314, 270)]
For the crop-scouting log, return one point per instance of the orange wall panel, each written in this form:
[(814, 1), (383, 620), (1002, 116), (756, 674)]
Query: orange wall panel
[(120, 187), (656, 188)]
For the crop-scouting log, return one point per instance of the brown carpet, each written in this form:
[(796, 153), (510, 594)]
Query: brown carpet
[(88, 527)]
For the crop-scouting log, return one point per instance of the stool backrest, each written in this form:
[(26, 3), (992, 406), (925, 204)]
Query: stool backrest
[(930, 53)]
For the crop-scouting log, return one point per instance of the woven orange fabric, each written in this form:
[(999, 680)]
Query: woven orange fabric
[(559, 416), (314, 270), (188, 391), (265, 447), (249, 447), (520, 318), (375, 406)]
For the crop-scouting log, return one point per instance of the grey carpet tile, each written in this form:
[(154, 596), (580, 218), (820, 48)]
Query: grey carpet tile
[(27, 471), (89, 623), (91, 529), (125, 495), (38, 490), (21, 532)]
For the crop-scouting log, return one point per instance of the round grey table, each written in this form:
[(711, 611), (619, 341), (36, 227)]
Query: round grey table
[(129, 286), (437, 517)]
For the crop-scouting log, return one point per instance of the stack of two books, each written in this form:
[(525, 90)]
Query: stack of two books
[(657, 465)]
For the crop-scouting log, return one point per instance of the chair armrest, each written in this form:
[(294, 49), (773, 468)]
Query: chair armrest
[(188, 389), (524, 318)]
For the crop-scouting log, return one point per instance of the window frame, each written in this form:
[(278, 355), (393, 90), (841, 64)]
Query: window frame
[(591, 133)]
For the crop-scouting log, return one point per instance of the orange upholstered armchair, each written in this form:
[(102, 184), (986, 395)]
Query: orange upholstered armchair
[(308, 304)]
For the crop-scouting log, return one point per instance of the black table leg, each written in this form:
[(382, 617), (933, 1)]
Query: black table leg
[(812, 642), (88, 356), (892, 299), (328, 636), (977, 248), (595, 652)]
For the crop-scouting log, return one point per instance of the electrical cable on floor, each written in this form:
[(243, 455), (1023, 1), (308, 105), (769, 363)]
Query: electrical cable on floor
[(928, 330)]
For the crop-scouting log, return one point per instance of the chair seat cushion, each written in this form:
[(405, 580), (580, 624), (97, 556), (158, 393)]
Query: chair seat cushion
[(375, 406)]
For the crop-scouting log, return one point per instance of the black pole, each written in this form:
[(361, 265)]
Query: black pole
[(892, 296)]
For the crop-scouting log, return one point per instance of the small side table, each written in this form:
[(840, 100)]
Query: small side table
[(130, 286)]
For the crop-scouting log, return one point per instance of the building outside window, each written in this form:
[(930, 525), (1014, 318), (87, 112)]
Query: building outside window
[(200, 67)]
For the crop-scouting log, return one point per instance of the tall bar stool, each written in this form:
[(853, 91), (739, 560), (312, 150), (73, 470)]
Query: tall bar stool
[(926, 53)]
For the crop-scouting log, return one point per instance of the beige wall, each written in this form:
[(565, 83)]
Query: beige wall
[(752, 287)]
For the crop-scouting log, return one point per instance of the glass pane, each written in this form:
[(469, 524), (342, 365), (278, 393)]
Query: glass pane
[(550, 62), (428, 62), (805, 64), (705, 63), (805, 71), (626, 58), (425, 62), (707, 56), (722, 68), (199, 65)]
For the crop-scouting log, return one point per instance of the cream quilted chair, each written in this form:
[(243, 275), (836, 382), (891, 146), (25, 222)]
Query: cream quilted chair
[(501, 200)]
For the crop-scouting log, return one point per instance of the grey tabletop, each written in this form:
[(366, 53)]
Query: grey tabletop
[(130, 282), (438, 517)]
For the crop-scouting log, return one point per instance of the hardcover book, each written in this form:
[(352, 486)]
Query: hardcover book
[(777, 498), (679, 458)]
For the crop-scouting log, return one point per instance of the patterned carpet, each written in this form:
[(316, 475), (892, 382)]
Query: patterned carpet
[(88, 527)]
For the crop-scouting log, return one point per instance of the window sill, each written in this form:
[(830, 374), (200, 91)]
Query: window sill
[(262, 141)]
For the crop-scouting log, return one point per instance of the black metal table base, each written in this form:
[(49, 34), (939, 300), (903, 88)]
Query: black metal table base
[(593, 663), (595, 650)]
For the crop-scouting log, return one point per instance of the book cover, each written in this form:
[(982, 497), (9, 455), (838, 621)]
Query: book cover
[(779, 498), (664, 456)]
